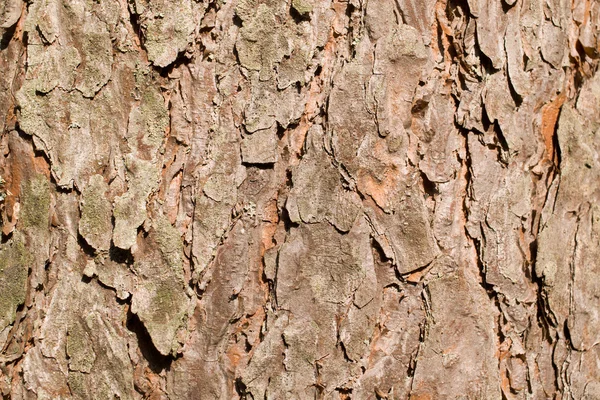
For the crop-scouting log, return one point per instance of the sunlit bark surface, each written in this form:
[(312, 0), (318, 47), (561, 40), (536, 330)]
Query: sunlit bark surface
[(300, 199)]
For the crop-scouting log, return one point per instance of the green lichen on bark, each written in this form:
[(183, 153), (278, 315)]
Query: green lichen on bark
[(145, 135), (170, 245), (159, 295), (262, 42), (80, 348), (97, 58), (79, 385), (155, 117), (130, 208), (302, 6), (95, 224), (14, 267), (161, 304), (35, 203), (149, 121), (167, 27)]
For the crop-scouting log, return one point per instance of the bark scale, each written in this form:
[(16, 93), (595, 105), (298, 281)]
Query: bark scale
[(337, 199)]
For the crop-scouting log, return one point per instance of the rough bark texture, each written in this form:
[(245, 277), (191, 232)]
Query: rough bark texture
[(297, 199)]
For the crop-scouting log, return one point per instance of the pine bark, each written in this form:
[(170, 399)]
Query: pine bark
[(297, 199)]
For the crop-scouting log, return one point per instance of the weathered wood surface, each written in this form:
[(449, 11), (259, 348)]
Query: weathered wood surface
[(297, 199)]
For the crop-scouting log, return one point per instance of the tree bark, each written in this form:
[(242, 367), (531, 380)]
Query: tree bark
[(297, 199)]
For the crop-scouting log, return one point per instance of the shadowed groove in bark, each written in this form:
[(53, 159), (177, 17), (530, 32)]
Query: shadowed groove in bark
[(156, 361)]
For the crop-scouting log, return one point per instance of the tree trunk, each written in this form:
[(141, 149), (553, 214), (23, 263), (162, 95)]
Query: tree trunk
[(298, 199)]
